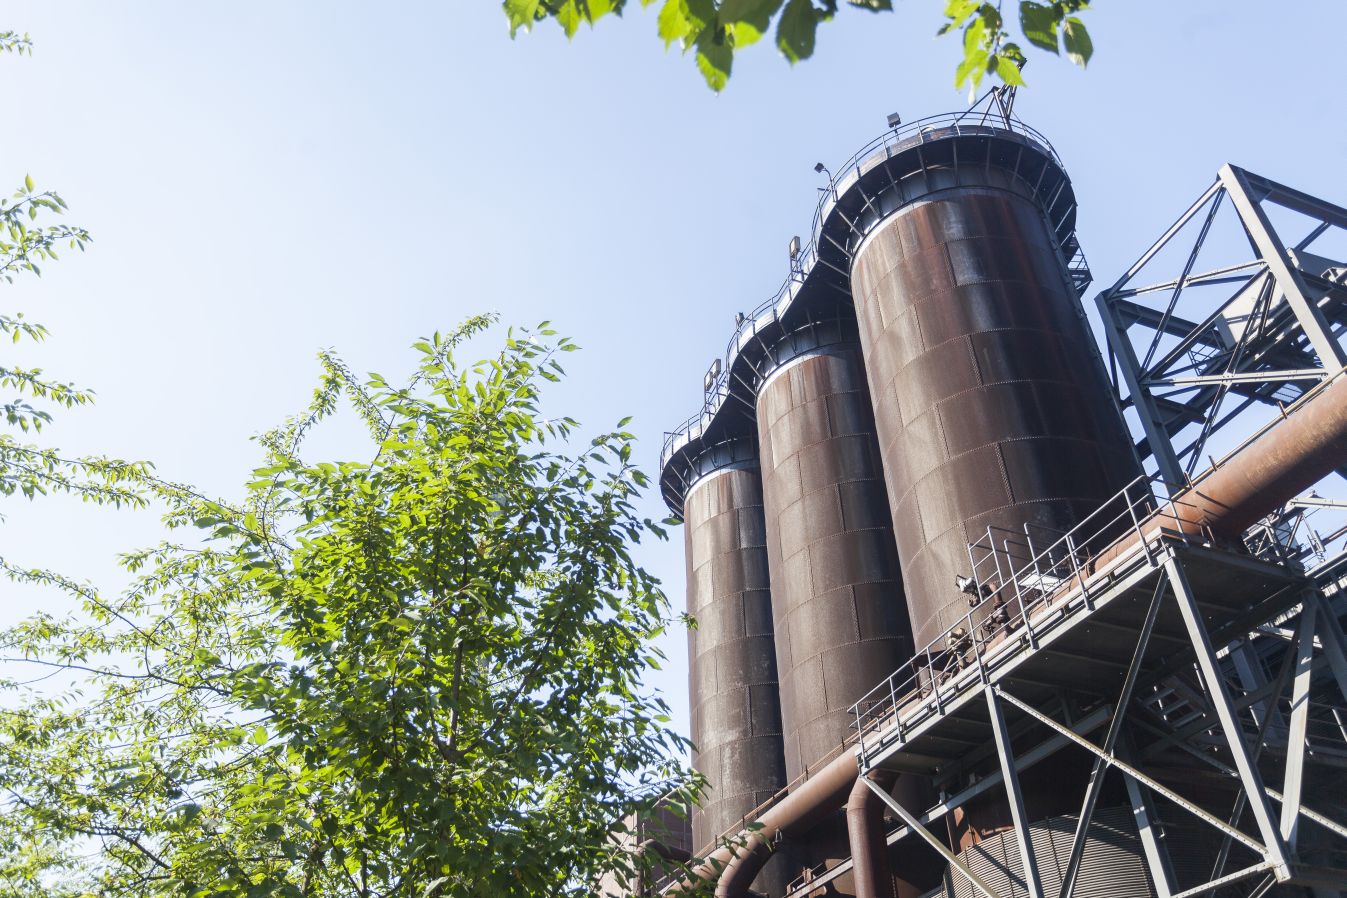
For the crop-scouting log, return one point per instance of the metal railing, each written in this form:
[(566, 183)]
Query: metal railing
[(974, 121), (1018, 577), (765, 315)]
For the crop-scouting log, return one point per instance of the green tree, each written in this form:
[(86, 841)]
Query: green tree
[(417, 674), (25, 244), (715, 30)]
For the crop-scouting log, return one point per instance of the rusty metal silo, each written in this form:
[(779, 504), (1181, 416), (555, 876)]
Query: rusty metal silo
[(840, 620), (736, 709), (992, 405)]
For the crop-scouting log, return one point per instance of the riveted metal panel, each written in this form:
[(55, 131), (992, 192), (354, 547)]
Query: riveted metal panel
[(841, 621), (736, 711), (832, 537), (1007, 417)]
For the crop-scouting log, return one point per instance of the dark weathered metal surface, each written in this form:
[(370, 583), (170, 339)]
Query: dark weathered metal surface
[(840, 620), (736, 712), (990, 402), (1291, 455), (841, 623)]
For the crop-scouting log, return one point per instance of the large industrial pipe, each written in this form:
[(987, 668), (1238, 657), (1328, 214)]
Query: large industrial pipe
[(743, 868), (811, 801), (1285, 458), (869, 845)]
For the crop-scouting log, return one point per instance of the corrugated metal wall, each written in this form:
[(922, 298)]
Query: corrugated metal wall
[(1111, 867)]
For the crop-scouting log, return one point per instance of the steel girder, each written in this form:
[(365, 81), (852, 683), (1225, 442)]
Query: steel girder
[(1277, 334)]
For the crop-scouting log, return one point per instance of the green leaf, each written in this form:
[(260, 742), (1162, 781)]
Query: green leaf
[(1039, 23), (758, 11), (957, 11), (747, 20), (674, 22), (569, 17), (260, 736), (1008, 71), (975, 37), (795, 30), (521, 14), (1079, 48), (28, 182), (714, 60), (971, 69)]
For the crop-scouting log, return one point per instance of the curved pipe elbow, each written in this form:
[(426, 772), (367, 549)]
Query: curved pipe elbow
[(740, 872), (868, 841)]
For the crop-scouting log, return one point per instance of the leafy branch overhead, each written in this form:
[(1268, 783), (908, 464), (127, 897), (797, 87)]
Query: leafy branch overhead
[(27, 242), (714, 30)]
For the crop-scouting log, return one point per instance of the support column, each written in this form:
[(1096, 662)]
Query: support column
[(1274, 848), (1300, 715), (1152, 836), (1011, 779)]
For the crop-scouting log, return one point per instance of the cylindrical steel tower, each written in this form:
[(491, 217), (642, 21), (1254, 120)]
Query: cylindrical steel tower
[(840, 621), (994, 416), (736, 711), (991, 402)]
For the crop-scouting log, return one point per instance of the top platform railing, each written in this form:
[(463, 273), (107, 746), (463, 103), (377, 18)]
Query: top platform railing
[(980, 119)]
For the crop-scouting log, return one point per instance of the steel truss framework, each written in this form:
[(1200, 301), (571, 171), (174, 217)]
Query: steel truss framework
[(1177, 654), (1204, 674), (1275, 334), (1233, 730)]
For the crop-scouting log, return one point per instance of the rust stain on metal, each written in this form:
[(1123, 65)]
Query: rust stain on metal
[(736, 711), (992, 408), (841, 622)]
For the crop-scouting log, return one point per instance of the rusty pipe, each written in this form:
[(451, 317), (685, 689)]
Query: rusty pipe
[(1293, 452), (743, 868), (804, 806), (868, 840), (1284, 459)]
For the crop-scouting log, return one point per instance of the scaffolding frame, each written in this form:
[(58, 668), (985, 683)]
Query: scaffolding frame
[(1275, 336)]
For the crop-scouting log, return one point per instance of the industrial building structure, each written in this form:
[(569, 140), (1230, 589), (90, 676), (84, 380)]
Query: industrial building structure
[(958, 632)]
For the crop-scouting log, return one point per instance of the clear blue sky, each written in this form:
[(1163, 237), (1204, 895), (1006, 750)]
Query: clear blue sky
[(264, 179)]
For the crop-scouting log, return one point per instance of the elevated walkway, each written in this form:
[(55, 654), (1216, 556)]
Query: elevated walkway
[(1137, 622), (1079, 637)]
